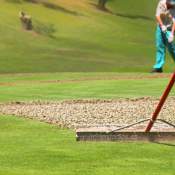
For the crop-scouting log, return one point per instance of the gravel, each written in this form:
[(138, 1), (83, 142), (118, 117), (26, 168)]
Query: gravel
[(91, 113)]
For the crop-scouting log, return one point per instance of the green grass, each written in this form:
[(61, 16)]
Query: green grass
[(29, 147), (85, 38), (61, 86)]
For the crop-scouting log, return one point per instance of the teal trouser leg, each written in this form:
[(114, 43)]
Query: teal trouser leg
[(161, 48), (171, 46)]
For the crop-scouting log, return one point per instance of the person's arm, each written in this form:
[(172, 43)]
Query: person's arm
[(173, 27), (162, 26), (171, 37), (159, 21)]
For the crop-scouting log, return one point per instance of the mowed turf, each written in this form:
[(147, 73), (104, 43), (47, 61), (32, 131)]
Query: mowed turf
[(30, 147), (75, 36), (62, 86)]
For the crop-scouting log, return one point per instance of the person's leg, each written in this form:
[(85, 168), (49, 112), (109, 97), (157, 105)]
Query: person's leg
[(160, 49), (171, 46)]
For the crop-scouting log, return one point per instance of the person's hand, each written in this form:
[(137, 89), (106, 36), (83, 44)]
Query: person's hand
[(163, 28), (171, 38)]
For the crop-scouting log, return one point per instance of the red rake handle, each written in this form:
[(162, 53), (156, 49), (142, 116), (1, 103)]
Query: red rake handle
[(161, 103)]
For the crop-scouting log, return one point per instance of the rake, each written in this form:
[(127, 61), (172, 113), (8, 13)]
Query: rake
[(121, 134)]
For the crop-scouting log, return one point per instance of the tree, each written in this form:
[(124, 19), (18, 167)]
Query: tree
[(101, 4)]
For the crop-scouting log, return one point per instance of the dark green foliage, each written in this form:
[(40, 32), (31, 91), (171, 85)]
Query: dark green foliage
[(44, 29)]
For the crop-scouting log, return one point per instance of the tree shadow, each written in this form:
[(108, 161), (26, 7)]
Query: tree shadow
[(54, 7), (129, 16), (32, 1), (133, 16), (14, 1), (97, 7), (163, 143), (59, 8)]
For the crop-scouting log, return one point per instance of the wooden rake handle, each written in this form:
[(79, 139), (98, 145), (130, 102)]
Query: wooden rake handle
[(160, 104)]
